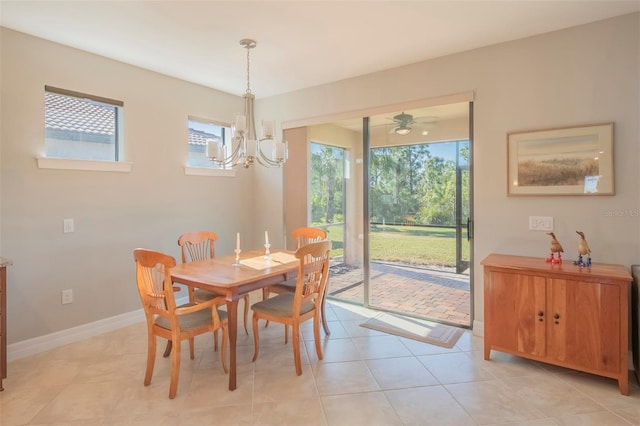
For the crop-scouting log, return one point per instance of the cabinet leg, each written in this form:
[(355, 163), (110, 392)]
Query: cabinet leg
[(487, 352), (623, 384)]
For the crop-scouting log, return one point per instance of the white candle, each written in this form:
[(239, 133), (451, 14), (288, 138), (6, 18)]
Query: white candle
[(266, 237), (238, 241)]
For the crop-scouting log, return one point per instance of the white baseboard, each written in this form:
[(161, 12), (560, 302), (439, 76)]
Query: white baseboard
[(49, 341), (39, 344)]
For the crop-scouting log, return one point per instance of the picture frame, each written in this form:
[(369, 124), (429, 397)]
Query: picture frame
[(561, 161)]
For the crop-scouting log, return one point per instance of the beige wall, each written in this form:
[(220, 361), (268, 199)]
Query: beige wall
[(113, 212), (585, 74)]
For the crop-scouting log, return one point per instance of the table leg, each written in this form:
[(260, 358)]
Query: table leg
[(232, 317)]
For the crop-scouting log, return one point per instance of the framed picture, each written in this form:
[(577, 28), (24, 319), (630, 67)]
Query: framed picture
[(563, 161)]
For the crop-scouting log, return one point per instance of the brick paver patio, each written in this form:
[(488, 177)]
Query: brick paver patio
[(434, 294)]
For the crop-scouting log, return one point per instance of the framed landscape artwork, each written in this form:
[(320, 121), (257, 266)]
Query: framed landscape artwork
[(563, 161)]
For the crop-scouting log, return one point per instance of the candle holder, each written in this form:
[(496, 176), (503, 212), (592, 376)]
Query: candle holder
[(237, 252), (267, 253)]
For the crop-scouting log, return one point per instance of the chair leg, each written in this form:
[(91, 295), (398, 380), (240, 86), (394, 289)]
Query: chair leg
[(151, 358), (215, 341), (316, 335), (286, 333), (223, 350), (256, 338), (167, 350), (324, 318), (296, 348), (246, 313), (175, 369), (192, 348)]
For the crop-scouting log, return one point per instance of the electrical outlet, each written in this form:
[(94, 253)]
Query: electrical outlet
[(541, 223), (67, 226), (67, 296)]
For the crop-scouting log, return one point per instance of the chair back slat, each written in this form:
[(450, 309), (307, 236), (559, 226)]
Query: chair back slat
[(313, 274), (153, 275), (307, 235), (197, 245)]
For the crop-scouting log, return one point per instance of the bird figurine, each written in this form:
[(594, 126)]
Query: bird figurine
[(556, 247), (583, 250)]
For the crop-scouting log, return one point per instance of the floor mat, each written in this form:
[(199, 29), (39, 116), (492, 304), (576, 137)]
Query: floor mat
[(416, 329)]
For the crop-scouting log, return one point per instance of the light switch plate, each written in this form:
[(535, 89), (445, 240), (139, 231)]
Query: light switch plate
[(68, 226), (541, 223)]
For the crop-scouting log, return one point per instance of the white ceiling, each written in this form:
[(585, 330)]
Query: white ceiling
[(300, 43)]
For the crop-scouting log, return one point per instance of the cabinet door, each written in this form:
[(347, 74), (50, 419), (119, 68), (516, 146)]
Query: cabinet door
[(584, 324), (516, 310)]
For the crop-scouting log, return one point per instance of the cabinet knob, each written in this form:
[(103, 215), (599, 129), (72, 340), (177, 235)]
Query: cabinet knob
[(556, 318), (540, 316)]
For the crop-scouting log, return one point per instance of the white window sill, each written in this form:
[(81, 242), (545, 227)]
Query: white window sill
[(88, 165), (203, 171)]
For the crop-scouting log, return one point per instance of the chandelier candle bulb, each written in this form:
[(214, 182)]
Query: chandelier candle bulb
[(241, 123), (212, 148), (238, 241), (281, 151), (267, 128), (266, 237)]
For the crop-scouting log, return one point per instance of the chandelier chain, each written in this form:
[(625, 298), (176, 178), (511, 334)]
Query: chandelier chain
[(248, 69)]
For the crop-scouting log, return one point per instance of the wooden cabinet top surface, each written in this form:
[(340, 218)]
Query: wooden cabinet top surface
[(601, 272)]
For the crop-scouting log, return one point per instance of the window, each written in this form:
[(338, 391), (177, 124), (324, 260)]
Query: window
[(82, 127), (199, 132)]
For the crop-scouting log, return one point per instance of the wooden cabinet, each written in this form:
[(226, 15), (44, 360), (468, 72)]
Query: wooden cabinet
[(561, 314)]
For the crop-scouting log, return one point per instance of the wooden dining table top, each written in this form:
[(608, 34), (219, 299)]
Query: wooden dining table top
[(222, 275)]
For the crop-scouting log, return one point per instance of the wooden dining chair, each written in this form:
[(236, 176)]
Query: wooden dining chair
[(200, 246), (302, 236), (168, 321), (292, 309)]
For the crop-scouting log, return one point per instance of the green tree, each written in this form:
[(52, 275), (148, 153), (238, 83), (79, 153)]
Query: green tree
[(438, 203), (396, 174), (327, 172)]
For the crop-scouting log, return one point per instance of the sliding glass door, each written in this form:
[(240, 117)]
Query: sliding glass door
[(393, 192)]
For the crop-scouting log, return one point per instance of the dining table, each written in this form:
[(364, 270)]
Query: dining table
[(223, 275)]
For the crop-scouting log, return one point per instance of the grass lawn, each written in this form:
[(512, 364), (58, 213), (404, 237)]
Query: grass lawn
[(415, 245)]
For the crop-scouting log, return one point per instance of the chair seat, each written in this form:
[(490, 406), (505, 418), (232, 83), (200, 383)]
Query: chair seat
[(191, 321), (204, 295), (281, 305)]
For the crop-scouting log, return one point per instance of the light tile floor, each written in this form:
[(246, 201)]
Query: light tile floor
[(366, 378)]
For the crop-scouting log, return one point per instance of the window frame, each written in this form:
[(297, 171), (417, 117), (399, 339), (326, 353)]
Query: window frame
[(68, 163)]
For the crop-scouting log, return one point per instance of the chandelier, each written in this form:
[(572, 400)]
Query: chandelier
[(245, 147)]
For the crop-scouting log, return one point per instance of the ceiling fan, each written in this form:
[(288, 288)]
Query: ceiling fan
[(403, 123)]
